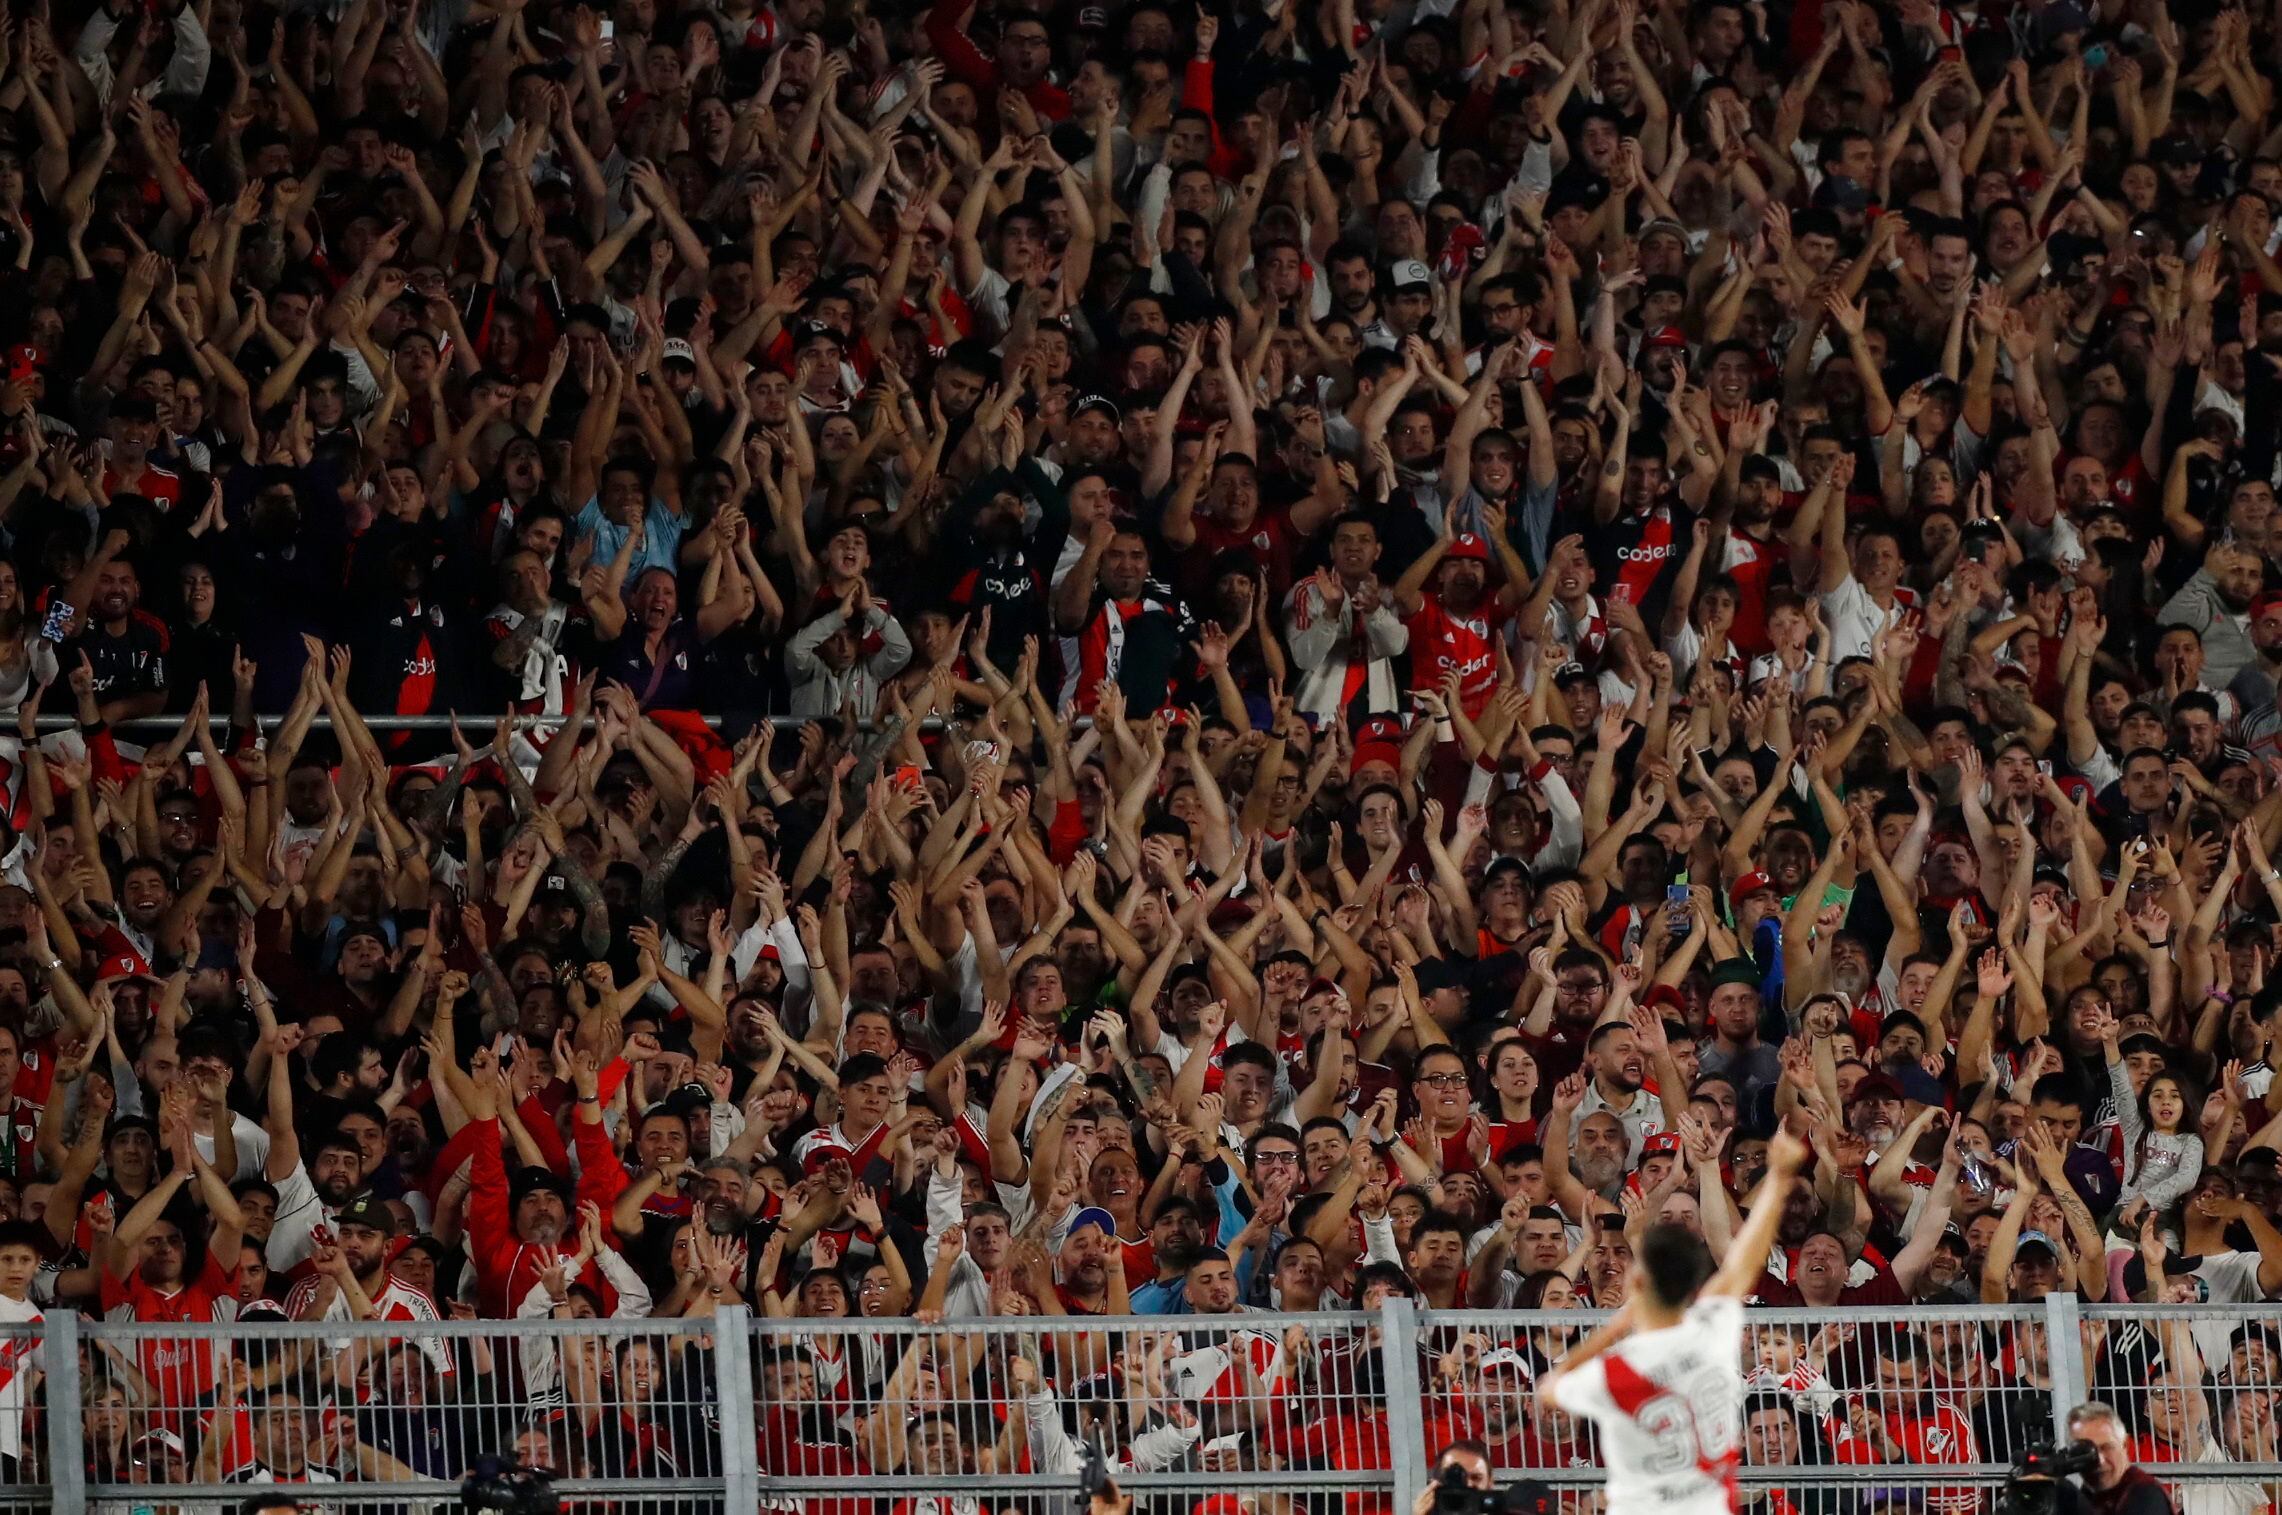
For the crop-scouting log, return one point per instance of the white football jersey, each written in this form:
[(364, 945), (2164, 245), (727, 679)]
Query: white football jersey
[(1668, 1406)]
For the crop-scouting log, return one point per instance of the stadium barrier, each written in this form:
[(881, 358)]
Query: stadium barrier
[(1282, 1414)]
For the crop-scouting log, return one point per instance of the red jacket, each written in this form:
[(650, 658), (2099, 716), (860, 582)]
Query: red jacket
[(967, 62)]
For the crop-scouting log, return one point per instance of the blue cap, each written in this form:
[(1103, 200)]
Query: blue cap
[(1094, 1215)]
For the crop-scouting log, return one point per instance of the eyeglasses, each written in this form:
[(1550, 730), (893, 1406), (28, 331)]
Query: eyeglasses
[(1443, 1080), (1262, 1158)]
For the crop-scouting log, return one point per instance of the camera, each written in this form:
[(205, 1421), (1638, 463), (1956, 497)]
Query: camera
[(499, 1487), (2050, 1461), (1454, 1496), (2033, 1486)]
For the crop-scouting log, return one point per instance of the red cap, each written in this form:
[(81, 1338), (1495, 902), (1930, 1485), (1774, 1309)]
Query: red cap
[(821, 1154), (1665, 336), (1471, 546), (1876, 1086), (1367, 753), (1662, 1141), (1380, 741), (1751, 883), (2265, 602)]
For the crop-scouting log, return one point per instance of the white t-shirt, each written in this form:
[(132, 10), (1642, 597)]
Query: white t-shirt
[(2229, 1278), (1669, 1408), (2210, 1496), (1856, 619), (19, 1365)]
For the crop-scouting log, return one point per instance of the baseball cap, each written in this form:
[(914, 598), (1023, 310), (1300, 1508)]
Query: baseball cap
[(2036, 1239), (1751, 883), (1468, 545), (1507, 864), (531, 1178), (1380, 741), (1876, 1086), (821, 1154), (1662, 1141), (1664, 336), (1409, 271), (369, 1212), (166, 1439), (1505, 1357), (364, 929), (678, 350), (1737, 970), (1094, 1215), (1099, 402)]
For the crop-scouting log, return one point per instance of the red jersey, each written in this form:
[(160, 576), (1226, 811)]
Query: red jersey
[(179, 1370), (1751, 563), (1441, 640), (1941, 1437), (160, 486), (1269, 541)]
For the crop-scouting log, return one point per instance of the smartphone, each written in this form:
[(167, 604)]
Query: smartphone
[(907, 777), (1676, 906), (609, 29), (1968, 914), (2095, 58)]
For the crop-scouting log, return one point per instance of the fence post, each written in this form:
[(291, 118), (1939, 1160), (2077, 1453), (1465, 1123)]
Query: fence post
[(733, 1375), (67, 1458), (1406, 1415), (2064, 1350)]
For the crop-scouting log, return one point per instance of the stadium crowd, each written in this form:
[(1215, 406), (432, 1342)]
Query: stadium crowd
[(1403, 628)]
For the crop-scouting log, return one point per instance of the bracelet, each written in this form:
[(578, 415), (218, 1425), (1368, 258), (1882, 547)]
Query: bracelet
[(590, 1099), (2164, 943)]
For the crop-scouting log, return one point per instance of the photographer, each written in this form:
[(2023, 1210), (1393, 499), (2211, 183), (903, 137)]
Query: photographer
[(1471, 1460), (2114, 1485)]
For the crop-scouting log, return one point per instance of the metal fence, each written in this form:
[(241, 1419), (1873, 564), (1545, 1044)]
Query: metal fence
[(1848, 1412)]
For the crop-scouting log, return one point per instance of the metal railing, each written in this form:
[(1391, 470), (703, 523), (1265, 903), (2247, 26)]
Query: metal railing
[(1846, 1411)]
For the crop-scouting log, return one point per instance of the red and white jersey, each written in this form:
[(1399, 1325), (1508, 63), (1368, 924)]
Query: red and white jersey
[(19, 1366), (1668, 1406), (397, 1300)]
